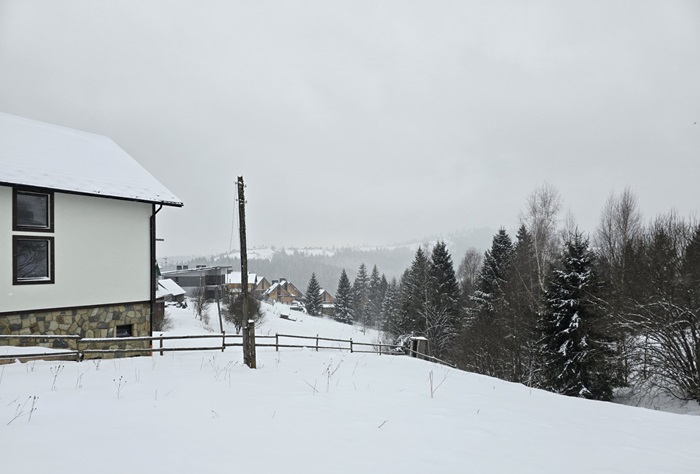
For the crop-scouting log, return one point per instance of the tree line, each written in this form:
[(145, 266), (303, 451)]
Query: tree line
[(553, 307)]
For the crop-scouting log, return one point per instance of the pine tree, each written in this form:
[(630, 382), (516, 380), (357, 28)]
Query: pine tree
[(343, 300), (576, 354), (442, 311), (312, 298), (360, 298)]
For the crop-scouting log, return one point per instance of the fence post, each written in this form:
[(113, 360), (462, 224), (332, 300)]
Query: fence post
[(277, 342), (350, 345), (77, 350), (223, 341), (316, 342), (161, 344)]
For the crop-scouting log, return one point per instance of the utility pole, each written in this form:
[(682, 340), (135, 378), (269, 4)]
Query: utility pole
[(248, 324)]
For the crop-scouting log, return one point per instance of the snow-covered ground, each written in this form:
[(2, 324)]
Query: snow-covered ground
[(307, 411)]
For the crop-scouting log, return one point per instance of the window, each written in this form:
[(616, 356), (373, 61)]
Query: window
[(33, 211), (33, 259), (125, 330), (32, 255)]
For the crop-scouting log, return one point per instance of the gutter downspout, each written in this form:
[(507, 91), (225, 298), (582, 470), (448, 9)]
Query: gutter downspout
[(154, 211)]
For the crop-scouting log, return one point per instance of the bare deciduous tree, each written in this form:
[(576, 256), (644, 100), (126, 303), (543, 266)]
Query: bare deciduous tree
[(666, 351), (540, 218), (661, 311), (201, 302), (620, 226), (468, 271)]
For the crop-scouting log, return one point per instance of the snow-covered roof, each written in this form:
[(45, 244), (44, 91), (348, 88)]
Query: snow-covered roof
[(234, 278), (162, 293), (170, 287), (44, 155)]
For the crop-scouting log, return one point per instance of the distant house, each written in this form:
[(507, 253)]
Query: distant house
[(327, 302), (234, 281), (77, 234), (170, 291), (261, 287), (201, 276), (283, 291)]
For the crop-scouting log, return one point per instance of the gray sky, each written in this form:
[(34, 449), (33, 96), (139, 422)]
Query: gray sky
[(370, 122)]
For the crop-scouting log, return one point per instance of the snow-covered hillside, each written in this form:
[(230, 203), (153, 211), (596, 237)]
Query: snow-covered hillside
[(308, 411)]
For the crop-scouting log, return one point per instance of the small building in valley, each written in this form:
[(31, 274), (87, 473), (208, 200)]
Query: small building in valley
[(202, 276), (170, 291), (327, 302), (283, 291)]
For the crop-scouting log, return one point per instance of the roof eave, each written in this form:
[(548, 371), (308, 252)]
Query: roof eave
[(84, 193)]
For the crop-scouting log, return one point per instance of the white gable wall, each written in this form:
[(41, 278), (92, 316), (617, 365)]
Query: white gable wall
[(102, 254), (5, 246)]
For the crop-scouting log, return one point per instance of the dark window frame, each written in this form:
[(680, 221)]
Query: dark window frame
[(16, 227), (124, 330), (51, 261)]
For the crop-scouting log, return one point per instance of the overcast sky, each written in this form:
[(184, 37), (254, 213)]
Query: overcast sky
[(370, 122)]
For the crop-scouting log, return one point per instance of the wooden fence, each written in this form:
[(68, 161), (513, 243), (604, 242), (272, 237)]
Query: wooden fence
[(87, 346)]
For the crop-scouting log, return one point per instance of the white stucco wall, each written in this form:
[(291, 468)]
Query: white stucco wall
[(102, 254)]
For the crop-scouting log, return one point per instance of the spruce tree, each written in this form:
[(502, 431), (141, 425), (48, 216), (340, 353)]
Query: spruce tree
[(523, 296), (390, 308), (576, 352), (492, 277), (442, 311), (414, 296), (484, 341), (374, 298), (402, 324), (343, 300), (312, 298), (360, 298)]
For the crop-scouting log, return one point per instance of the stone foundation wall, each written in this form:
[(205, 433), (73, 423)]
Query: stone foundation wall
[(91, 322)]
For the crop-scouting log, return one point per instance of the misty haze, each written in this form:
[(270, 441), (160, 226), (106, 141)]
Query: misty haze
[(485, 213)]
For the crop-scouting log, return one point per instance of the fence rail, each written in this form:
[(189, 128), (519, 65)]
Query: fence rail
[(85, 346)]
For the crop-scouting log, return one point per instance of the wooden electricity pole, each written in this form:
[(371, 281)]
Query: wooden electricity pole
[(248, 323)]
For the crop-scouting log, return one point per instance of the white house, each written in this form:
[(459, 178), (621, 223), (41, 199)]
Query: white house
[(77, 233)]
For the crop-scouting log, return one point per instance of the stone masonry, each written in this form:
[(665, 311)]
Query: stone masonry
[(91, 322)]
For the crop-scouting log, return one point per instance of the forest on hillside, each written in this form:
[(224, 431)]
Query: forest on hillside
[(297, 265), (553, 306), (550, 306)]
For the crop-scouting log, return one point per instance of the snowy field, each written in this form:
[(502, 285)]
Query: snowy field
[(304, 411)]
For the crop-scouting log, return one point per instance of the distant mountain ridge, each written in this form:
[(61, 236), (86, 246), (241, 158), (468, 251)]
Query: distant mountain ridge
[(298, 263)]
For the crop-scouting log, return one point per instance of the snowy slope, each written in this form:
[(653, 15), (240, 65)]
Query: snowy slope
[(307, 411)]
